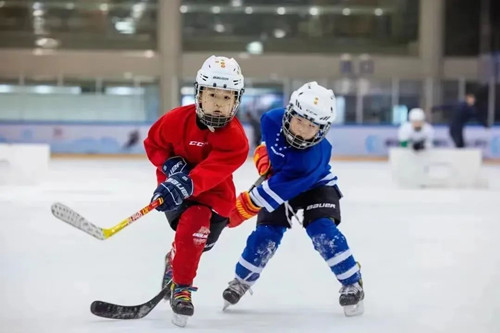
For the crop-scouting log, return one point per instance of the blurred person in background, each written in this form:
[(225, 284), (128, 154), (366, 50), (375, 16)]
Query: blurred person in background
[(416, 133), (133, 139), (462, 113), (255, 124), (195, 150)]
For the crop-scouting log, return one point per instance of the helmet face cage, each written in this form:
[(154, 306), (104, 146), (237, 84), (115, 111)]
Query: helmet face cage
[(296, 141), (215, 121)]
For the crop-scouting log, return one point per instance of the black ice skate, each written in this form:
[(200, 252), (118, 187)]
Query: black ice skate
[(351, 299), (167, 275), (234, 292), (180, 301)]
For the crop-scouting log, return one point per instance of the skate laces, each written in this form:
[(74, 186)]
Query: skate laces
[(184, 293), (169, 272), (351, 289), (239, 287)]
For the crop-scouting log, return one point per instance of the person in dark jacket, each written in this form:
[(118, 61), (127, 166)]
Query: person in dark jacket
[(462, 113)]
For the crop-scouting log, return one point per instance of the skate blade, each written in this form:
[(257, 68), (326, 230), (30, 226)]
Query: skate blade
[(354, 310), (179, 320), (226, 305)]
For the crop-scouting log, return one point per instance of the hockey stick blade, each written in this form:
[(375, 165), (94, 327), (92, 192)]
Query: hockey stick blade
[(68, 215), (115, 311)]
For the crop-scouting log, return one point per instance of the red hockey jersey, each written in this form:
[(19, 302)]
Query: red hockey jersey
[(212, 156)]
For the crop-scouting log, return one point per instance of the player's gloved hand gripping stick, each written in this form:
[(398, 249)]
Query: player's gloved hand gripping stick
[(64, 213)]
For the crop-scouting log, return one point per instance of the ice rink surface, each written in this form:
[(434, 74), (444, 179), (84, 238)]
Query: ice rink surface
[(430, 258)]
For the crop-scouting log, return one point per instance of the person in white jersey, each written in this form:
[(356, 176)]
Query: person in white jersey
[(416, 133)]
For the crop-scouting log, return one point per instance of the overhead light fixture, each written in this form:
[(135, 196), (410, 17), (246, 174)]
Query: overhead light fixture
[(236, 3), (219, 27), (255, 47), (37, 5), (126, 26), (281, 10), (183, 9), (70, 6), (279, 33), (149, 53), (138, 10), (38, 12), (216, 9), (378, 11), (104, 7), (248, 10), (48, 43), (314, 11), (346, 11)]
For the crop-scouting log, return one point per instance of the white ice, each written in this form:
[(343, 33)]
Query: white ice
[(430, 258)]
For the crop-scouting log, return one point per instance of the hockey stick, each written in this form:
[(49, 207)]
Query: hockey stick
[(115, 311), (68, 215)]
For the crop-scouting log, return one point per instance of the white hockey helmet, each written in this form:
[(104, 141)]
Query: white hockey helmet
[(416, 114), (220, 73), (314, 103)]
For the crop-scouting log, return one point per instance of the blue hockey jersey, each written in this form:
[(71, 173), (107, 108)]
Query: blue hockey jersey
[(294, 170)]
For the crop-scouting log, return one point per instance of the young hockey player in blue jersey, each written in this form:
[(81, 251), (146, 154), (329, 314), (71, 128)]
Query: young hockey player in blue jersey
[(296, 156)]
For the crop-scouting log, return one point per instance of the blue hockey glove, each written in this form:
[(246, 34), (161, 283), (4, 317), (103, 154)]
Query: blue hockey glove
[(173, 191), (175, 164)]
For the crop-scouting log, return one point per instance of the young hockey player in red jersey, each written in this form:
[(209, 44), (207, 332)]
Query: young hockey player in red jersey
[(196, 148)]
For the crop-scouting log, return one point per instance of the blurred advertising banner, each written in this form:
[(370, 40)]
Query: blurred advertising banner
[(84, 138), (98, 138), (376, 140)]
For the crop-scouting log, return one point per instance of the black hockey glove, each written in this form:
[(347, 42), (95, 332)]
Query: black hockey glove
[(419, 145), (173, 191)]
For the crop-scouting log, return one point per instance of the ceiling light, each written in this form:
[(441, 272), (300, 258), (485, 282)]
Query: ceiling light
[(104, 7), (314, 11), (220, 27), (49, 43), (281, 10), (248, 10), (183, 9), (255, 47), (346, 11), (279, 33), (378, 11), (126, 26), (216, 9)]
